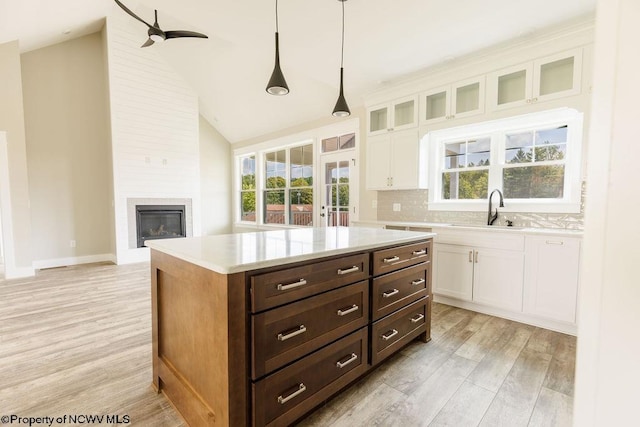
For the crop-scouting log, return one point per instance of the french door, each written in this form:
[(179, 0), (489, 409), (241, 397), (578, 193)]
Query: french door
[(338, 188)]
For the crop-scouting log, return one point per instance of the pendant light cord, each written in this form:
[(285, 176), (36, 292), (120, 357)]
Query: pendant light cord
[(276, 16), (342, 51)]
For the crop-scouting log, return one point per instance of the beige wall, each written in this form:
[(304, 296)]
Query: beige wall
[(215, 175), (68, 150), (607, 369), (12, 121)]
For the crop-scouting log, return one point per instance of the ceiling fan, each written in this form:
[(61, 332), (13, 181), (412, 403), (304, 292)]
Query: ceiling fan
[(155, 33)]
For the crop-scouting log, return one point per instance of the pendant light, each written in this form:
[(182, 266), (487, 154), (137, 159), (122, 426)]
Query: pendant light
[(341, 109), (277, 84)]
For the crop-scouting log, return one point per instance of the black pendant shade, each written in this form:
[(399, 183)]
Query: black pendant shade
[(341, 109), (277, 84)]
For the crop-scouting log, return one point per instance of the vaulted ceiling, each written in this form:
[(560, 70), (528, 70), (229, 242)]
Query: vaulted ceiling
[(384, 40)]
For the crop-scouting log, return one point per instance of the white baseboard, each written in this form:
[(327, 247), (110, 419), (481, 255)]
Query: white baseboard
[(18, 272), (62, 262), (554, 325), (133, 256)]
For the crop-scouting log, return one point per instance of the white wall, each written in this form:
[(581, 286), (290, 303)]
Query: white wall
[(154, 129), (608, 372), (215, 171), (17, 218), (68, 152)]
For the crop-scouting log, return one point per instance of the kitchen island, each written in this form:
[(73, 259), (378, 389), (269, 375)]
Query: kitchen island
[(260, 328)]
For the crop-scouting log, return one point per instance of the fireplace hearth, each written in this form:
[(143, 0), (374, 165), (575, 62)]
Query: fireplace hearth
[(159, 222)]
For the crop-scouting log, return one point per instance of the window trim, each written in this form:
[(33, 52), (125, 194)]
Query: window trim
[(570, 203)]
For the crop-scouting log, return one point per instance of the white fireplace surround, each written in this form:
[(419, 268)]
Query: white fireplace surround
[(131, 214)]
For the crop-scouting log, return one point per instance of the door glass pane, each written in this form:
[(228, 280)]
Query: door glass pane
[(342, 202), (275, 169), (274, 207), (329, 144), (348, 141), (465, 185), (534, 182), (468, 98)]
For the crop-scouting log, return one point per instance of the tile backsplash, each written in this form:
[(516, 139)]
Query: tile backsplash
[(414, 208)]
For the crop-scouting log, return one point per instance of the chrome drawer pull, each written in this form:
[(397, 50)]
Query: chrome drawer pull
[(300, 282), (301, 389), (345, 311), (301, 330), (420, 252), (393, 333), (418, 318), (349, 270), (392, 259), (418, 282), (351, 359), (388, 294)]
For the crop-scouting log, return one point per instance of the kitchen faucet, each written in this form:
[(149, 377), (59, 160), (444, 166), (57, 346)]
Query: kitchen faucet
[(491, 218)]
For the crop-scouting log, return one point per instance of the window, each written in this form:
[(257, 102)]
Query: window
[(533, 159), (336, 143), (301, 185), (248, 188)]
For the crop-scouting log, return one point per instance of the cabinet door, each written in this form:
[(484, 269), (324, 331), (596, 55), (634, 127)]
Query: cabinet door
[(405, 157), (498, 278), (551, 279), (435, 105), (379, 119), (557, 76), (467, 98), (453, 271), (510, 87), (378, 162), (404, 113)]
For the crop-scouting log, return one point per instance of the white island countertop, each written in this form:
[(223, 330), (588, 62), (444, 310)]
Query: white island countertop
[(233, 253)]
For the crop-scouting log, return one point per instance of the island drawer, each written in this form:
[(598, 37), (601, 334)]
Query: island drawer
[(284, 286), (287, 333), (395, 290), (283, 397), (392, 259), (394, 331)]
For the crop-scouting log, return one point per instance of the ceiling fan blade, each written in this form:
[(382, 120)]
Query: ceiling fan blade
[(179, 33), (149, 42), (126, 9)]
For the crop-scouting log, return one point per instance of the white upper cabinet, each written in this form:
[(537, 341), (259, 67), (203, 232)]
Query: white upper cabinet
[(392, 116), (547, 78), (396, 161), (462, 99)]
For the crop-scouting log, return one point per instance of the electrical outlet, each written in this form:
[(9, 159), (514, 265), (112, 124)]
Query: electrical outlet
[(396, 207), (374, 204), (72, 243)]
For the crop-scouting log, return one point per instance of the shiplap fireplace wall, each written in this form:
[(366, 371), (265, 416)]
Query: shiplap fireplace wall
[(154, 131)]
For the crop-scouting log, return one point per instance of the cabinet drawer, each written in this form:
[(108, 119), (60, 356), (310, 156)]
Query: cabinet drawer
[(394, 331), (287, 333), (283, 397), (395, 290), (280, 287), (388, 260)]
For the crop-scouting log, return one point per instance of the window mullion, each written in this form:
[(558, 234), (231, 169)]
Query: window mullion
[(496, 162)]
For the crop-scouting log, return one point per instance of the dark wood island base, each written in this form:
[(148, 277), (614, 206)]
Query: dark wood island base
[(266, 346)]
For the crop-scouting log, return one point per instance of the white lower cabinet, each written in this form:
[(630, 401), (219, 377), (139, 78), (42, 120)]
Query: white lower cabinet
[(492, 277), (551, 277)]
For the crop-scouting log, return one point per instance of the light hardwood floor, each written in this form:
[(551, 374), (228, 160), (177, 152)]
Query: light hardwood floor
[(77, 340)]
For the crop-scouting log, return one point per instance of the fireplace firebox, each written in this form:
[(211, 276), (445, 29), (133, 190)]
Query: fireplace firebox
[(159, 222)]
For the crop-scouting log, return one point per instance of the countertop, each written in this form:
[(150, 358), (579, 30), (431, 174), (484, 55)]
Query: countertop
[(233, 253), (442, 227)]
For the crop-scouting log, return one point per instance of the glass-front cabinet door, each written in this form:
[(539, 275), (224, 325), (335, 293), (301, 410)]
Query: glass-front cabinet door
[(399, 114), (378, 117), (551, 77)]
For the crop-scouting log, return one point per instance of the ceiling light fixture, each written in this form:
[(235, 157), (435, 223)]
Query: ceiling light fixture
[(341, 109), (277, 84)]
